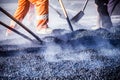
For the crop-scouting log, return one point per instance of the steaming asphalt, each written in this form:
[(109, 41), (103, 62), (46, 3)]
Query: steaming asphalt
[(80, 55)]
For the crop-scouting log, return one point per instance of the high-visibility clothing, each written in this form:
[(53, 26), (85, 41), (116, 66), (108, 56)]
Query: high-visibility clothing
[(41, 8)]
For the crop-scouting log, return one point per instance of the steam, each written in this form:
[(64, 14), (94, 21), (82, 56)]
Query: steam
[(51, 52), (90, 51), (113, 53), (55, 53)]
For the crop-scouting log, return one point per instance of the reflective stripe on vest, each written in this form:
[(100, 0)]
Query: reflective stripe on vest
[(42, 17)]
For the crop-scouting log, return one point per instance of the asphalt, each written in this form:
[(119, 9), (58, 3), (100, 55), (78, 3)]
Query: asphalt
[(84, 54)]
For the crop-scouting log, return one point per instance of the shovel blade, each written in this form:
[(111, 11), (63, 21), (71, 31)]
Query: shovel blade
[(77, 17)]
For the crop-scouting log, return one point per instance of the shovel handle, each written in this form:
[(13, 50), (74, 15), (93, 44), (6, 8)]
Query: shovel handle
[(66, 15), (63, 8), (23, 26), (85, 5), (17, 32)]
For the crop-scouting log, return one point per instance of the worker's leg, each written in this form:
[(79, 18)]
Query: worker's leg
[(22, 9), (42, 10), (42, 13), (103, 12)]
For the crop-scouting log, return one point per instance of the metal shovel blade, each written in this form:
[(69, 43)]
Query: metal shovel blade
[(79, 14), (77, 17)]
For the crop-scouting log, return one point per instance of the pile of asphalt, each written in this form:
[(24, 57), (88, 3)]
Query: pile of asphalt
[(82, 54)]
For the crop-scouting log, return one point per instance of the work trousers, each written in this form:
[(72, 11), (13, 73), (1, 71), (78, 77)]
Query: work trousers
[(41, 8), (103, 13)]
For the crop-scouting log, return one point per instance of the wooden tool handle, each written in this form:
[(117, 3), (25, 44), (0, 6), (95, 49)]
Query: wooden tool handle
[(18, 22), (85, 5), (66, 15)]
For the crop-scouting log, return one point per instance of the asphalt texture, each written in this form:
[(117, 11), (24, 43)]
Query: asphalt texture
[(83, 54)]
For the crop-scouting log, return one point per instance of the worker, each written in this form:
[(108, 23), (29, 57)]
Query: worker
[(103, 15), (41, 8)]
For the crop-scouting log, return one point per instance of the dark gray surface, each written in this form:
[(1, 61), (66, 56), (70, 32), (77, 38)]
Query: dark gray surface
[(79, 55)]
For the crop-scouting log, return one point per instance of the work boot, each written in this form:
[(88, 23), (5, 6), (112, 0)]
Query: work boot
[(12, 25), (45, 31), (9, 32)]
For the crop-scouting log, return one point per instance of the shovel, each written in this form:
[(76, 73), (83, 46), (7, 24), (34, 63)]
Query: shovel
[(80, 14), (66, 15)]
